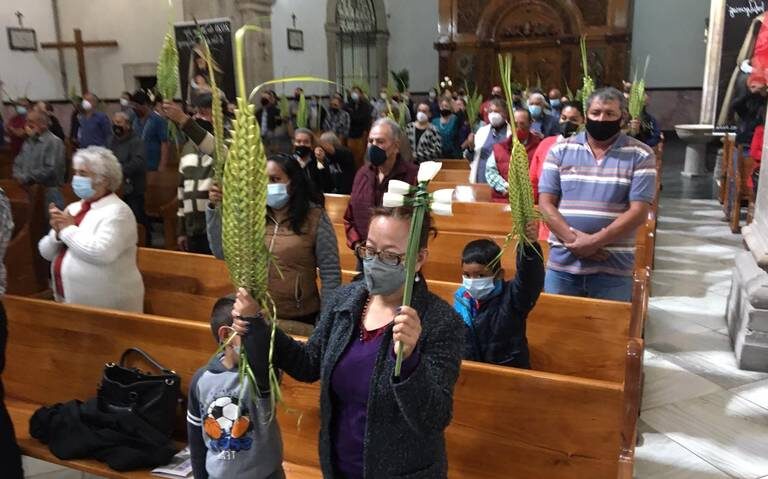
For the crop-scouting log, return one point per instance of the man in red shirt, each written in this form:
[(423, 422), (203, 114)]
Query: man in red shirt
[(15, 126), (383, 163), (497, 167), (495, 93)]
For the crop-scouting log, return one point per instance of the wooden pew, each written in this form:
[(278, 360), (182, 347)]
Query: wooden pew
[(453, 176), (485, 219), (161, 202), (460, 164), (534, 423), (27, 271), (464, 192), (571, 336)]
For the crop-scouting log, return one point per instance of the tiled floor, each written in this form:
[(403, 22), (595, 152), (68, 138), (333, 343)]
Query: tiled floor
[(702, 417)]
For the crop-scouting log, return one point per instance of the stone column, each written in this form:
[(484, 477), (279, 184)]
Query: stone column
[(747, 312), (258, 50), (756, 234), (712, 64)]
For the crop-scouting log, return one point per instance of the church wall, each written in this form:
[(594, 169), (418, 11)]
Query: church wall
[(137, 25), (673, 34), (412, 32), (412, 29), (35, 74), (313, 60)]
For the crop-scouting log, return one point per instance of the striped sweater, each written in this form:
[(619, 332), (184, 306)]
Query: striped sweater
[(195, 180), (593, 194)]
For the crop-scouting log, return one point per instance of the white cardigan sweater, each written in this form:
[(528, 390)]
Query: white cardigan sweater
[(99, 268), (480, 137)]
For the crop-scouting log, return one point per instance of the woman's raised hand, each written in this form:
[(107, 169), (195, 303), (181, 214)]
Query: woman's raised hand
[(245, 307), (407, 330)]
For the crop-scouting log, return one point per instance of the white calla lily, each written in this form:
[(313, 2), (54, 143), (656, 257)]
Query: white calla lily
[(428, 170), (442, 209), (443, 196), (393, 200), (398, 187)]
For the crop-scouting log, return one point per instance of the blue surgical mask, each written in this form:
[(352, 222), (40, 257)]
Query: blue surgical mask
[(535, 110), (21, 110), (555, 103), (382, 278), (277, 195), (83, 187), (236, 349), (479, 288)]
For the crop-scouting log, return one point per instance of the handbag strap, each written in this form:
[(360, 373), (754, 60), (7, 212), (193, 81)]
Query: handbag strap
[(146, 357)]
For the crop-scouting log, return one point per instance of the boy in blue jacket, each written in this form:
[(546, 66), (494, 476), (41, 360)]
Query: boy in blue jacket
[(494, 311)]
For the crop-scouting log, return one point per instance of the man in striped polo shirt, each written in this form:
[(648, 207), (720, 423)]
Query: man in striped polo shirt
[(595, 190)]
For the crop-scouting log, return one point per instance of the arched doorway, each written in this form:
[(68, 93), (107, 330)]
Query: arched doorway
[(357, 43)]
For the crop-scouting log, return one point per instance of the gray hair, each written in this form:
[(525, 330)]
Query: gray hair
[(394, 128), (121, 114), (537, 95), (605, 94), (304, 131), (103, 164), (331, 138)]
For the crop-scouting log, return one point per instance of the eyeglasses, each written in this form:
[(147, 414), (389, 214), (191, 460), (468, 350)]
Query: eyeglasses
[(367, 253)]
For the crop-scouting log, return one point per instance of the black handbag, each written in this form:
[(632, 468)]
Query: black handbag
[(156, 398)]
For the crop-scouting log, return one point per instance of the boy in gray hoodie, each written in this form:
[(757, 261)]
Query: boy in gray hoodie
[(230, 432)]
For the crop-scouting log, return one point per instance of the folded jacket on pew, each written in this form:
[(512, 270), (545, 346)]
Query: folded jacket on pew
[(79, 430)]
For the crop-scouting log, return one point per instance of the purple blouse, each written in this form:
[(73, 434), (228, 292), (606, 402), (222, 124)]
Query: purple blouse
[(350, 388)]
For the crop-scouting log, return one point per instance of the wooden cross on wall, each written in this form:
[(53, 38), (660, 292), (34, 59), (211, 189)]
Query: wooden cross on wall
[(79, 45)]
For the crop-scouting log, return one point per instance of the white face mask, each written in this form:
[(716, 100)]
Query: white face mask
[(496, 119), (355, 96), (123, 102), (422, 117), (86, 105), (479, 288)]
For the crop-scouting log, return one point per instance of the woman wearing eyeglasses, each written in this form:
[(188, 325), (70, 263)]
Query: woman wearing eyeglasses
[(374, 424), (300, 237)]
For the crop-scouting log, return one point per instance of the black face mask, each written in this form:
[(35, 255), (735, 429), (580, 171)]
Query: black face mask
[(376, 155), (118, 130), (264, 101), (445, 112), (302, 151), (568, 129), (603, 130)]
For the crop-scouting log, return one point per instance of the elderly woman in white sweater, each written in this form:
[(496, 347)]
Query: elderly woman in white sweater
[(92, 243)]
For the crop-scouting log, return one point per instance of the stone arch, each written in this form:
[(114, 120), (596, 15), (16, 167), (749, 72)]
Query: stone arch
[(381, 35), (496, 15)]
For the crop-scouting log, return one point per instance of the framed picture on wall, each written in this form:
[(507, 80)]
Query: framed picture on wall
[(22, 39), (295, 39)]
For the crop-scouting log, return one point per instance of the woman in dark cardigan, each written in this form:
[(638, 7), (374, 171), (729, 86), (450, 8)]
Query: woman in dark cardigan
[(374, 425)]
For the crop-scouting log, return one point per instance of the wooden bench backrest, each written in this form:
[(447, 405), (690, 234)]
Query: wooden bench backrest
[(464, 192), (482, 218), (184, 272), (460, 164), (571, 336), (27, 272), (447, 175), (536, 424), (161, 189)]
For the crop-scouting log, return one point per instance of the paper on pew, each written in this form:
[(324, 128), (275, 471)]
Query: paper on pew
[(180, 466)]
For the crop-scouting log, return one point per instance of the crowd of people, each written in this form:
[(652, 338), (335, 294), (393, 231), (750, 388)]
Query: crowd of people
[(593, 173)]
